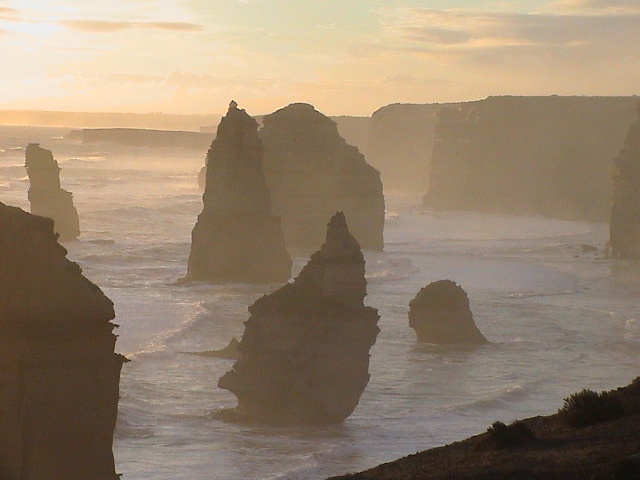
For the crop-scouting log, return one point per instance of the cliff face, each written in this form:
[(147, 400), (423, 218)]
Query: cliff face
[(355, 131), (400, 145), (625, 212), (59, 375), (313, 172), (45, 195), (546, 156), (236, 237), (304, 355), (440, 314)]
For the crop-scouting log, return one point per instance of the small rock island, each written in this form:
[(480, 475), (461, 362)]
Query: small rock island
[(45, 195), (304, 355), (440, 314), (237, 238)]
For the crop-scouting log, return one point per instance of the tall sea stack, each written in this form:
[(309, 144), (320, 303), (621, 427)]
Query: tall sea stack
[(236, 238), (45, 195), (625, 212), (313, 172), (304, 355), (59, 375)]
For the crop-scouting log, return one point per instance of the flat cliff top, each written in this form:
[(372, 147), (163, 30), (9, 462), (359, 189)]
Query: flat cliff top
[(607, 450)]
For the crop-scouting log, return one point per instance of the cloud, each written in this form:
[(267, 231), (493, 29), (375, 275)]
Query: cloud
[(190, 80), (107, 26), (594, 6), (7, 13), (460, 31), (109, 77)]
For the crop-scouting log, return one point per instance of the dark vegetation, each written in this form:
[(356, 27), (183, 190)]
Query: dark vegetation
[(588, 408)]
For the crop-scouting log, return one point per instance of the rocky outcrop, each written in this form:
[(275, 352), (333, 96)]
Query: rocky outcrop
[(625, 212), (304, 355), (313, 172), (59, 375), (45, 195), (440, 314), (547, 156), (401, 143), (236, 237)]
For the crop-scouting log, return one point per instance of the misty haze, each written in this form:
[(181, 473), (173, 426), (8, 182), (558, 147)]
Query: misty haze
[(299, 240)]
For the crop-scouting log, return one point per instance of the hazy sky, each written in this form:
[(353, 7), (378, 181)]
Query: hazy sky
[(343, 56)]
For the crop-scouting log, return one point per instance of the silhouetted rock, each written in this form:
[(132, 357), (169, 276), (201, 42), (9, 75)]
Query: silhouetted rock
[(45, 195), (304, 355), (313, 172), (625, 213), (59, 375), (547, 156), (440, 314), (236, 237)]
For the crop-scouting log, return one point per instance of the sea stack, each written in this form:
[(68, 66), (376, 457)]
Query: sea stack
[(313, 172), (46, 197), (59, 375), (440, 314), (625, 212), (237, 238), (304, 355)]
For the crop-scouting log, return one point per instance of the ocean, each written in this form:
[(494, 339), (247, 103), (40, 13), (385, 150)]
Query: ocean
[(559, 317)]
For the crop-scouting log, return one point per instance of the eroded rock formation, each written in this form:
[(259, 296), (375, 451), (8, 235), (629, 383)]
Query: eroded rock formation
[(236, 237), (304, 355), (45, 195), (313, 172), (440, 314), (59, 375), (547, 156), (625, 212)]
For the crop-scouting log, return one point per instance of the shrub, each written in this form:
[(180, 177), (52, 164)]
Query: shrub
[(588, 408), (503, 436)]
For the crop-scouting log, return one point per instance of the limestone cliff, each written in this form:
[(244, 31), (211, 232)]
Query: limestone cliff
[(440, 314), (45, 195), (236, 237), (401, 143), (546, 156), (355, 131), (625, 212), (304, 355), (313, 172), (59, 375)]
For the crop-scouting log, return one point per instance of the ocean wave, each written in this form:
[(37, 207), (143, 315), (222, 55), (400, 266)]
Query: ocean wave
[(166, 344), (132, 422), (384, 270), (632, 330), (496, 400)]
